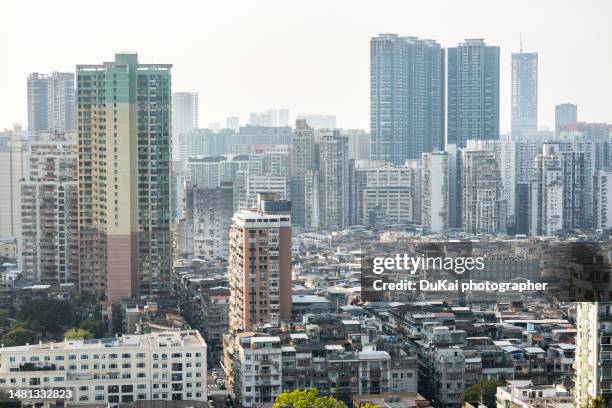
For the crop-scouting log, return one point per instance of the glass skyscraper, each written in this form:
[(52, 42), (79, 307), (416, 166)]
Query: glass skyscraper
[(524, 94), (406, 97), (473, 92)]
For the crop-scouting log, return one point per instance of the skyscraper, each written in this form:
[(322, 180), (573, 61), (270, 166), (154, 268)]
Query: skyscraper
[(124, 178), (482, 200), (406, 97), (565, 114), (334, 181), (260, 265), (382, 194), (592, 363), (546, 193), (434, 190), (12, 163), (184, 117), (49, 211), (51, 102), (473, 92), (302, 161), (524, 94), (602, 199)]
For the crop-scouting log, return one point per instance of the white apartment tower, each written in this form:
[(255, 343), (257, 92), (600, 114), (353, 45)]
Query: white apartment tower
[(185, 117), (49, 211), (383, 193), (482, 200), (546, 193), (12, 163), (602, 199), (593, 352), (435, 191)]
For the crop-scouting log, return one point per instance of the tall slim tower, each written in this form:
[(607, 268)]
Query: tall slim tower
[(593, 356), (334, 181), (435, 191), (260, 265), (184, 115), (124, 113), (13, 157), (302, 161), (406, 97), (482, 200), (51, 102), (49, 208), (473, 92), (524, 94)]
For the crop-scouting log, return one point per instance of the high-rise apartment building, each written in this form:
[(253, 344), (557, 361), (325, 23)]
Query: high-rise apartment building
[(382, 194), (482, 201), (473, 92), (12, 164), (406, 97), (435, 191), (51, 102), (249, 184), (358, 144), (185, 113), (593, 354), (260, 265), (124, 178), (565, 114), (49, 211), (546, 193), (302, 161), (334, 184), (524, 119), (212, 215), (602, 199)]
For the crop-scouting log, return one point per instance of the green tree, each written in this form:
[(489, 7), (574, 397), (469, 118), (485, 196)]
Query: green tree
[(50, 314), (97, 328), (75, 334), (594, 402), (483, 391), (308, 398), (18, 336)]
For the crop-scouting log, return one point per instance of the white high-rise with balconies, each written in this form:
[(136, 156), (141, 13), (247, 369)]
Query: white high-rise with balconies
[(49, 211), (434, 190)]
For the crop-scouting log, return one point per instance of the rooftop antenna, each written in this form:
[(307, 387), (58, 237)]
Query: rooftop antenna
[(521, 41)]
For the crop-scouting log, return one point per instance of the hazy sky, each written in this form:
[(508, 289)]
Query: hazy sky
[(311, 56)]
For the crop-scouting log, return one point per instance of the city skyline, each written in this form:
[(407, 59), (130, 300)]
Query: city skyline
[(278, 76)]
